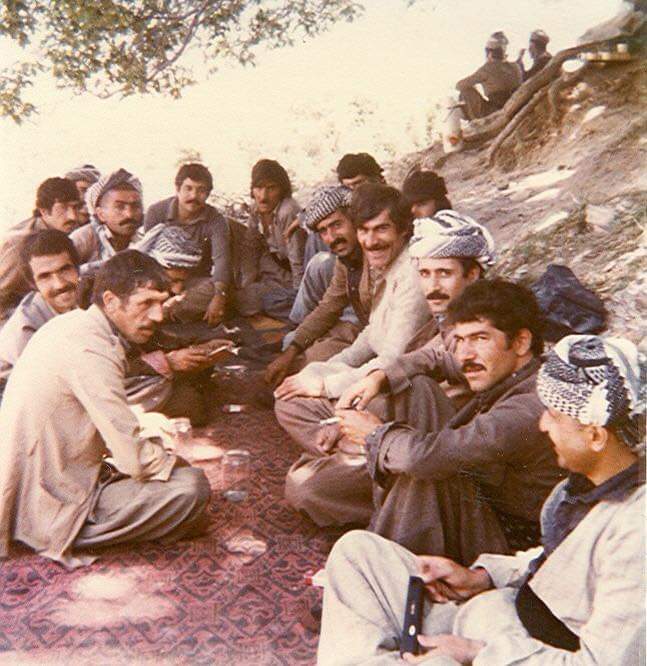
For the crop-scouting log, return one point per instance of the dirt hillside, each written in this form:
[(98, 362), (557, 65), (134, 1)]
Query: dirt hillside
[(568, 186)]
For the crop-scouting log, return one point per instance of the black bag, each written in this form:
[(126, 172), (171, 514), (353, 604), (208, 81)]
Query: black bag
[(567, 305)]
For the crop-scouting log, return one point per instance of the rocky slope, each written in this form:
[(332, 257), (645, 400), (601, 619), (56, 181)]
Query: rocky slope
[(569, 187)]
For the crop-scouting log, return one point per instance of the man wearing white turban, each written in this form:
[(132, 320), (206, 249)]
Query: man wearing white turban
[(116, 210)]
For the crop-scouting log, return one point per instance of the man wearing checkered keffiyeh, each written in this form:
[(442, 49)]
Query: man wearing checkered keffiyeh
[(575, 599), (113, 225)]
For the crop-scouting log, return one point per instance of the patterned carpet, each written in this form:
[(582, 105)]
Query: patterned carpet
[(190, 603)]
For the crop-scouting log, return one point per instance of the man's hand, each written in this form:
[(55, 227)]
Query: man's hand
[(187, 359), (291, 228), (463, 650), (355, 426), (278, 369), (215, 310), (446, 580), (362, 392), (296, 386), (170, 305)]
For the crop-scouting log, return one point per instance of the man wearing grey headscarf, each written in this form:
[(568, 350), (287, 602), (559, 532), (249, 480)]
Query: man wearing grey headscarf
[(576, 599), (83, 177), (115, 206)]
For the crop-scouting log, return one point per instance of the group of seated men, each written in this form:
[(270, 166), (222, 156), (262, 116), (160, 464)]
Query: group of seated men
[(412, 382)]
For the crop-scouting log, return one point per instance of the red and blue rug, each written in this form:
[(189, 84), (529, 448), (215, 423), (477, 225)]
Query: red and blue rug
[(191, 603)]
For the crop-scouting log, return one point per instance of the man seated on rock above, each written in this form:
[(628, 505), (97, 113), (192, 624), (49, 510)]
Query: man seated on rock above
[(57, 207), (426, 193), (115, 206), (576, 599), (498, 77), (207, 292), (333, 301), (450, 252), (537, 51), (472, 481), (50, 262), (398, 309), (83, 177), (65, 409), (269, 262)]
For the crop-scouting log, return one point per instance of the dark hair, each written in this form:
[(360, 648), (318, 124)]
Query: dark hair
[(506, 305), (272, 171), (126, 272), (46, 243), (355, 164), (468, 263), (497, 53), (370, 199), (421, 186), (55, 190), (194, 171)]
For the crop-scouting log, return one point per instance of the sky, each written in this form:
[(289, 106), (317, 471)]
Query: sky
[(365, 86)]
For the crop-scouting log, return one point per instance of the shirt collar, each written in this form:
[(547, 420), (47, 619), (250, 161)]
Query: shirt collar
[(354, 259), (580, 489)]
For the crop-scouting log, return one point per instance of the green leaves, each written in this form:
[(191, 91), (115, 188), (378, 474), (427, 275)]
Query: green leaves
[(123, 47)]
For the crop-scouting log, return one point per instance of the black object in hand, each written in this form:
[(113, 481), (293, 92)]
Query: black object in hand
[(412, 623)]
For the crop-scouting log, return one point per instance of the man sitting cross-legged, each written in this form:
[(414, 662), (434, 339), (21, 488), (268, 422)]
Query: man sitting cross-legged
[(50, 261), (65, 409), (398, 309), (473, 481), (333, 301), (577, 599)]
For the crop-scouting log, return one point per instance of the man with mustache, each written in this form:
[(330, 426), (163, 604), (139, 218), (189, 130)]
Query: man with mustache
[(269, 263), (577, 599), (449, 251), (330, 308), (459, 483), (382, 220), (208, 291), (115, 205), (57, 207), (51, 263), (65, 409)]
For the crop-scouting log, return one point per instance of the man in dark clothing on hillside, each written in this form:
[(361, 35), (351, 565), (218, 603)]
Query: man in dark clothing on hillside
[(537, 51), (498, 77)]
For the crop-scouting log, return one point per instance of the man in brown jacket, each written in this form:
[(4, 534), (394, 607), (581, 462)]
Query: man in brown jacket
[(57, 207), (499, 78), (324, 331), (472, 482)]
